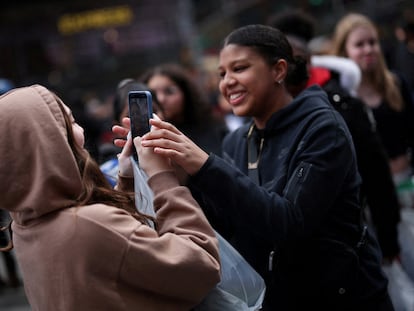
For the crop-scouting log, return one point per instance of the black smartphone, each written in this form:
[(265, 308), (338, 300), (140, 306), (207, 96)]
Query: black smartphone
[(140, 111)]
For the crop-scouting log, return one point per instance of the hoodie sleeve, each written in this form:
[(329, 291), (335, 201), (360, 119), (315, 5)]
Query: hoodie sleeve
[(181, 260)]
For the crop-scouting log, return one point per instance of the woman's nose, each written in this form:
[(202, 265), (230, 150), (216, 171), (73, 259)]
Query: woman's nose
[(229, 79)]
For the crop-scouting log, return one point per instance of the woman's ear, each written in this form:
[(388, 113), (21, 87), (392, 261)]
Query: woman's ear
[(279, 71)]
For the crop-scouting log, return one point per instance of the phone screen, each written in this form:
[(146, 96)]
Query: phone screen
[(140, 111)]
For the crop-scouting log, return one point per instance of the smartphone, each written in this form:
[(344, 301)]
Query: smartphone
[(140, 111)]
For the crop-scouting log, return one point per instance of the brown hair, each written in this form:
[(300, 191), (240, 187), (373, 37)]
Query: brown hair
[(95, 187), (383, 80)]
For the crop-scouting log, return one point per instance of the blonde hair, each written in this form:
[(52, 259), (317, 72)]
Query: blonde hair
[(383, 80)]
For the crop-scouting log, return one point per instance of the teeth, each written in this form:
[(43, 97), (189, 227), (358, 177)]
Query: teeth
[(234, 96)]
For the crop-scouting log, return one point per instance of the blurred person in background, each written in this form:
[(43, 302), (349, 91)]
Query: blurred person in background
[(185, 105), (109, 151), (93, 116), (386, 92), (340, 78), (403, 52)]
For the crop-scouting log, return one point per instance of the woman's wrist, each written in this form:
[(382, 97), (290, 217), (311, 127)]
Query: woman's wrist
[(125, 167)]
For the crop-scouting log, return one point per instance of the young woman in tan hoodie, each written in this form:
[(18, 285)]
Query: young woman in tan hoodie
[(82, 245)]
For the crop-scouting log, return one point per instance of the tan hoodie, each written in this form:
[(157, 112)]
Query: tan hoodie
[(94, 257)]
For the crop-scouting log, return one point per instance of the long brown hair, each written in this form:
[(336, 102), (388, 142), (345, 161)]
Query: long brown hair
[(95, 187), (383, 80)]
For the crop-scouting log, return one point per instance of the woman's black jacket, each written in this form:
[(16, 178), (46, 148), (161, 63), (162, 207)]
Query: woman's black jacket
[(300, 228)]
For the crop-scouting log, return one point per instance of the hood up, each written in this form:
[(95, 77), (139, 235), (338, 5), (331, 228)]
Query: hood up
[(38, 171)]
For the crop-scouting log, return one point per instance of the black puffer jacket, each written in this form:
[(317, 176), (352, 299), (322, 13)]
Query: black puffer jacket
[(306, 209)]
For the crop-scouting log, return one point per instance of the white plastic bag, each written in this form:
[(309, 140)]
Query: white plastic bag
[(241, 288), (144, 197), (400, 287)]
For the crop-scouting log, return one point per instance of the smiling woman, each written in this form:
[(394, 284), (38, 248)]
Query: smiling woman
[(239, 69), (286, 193)]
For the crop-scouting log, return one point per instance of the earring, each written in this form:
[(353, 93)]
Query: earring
[(280, 82)]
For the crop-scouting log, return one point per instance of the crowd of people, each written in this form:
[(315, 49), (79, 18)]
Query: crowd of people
[(340, 78), (296, 162)]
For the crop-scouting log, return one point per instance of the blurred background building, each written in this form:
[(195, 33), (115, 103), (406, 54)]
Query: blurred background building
[(89, 44), (83, 48)]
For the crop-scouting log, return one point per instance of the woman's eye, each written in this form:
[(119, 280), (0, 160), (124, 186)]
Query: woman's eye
[(239, 68), (359, 44)]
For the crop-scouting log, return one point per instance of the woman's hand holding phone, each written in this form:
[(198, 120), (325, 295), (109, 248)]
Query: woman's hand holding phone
[(124, 159), (150, 162), (121, 131), (125, 165)]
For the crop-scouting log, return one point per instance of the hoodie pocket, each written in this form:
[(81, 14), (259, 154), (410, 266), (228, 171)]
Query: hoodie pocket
[(295, 182)]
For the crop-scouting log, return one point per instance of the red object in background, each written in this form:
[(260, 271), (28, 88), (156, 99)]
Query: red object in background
[(319, 76)]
